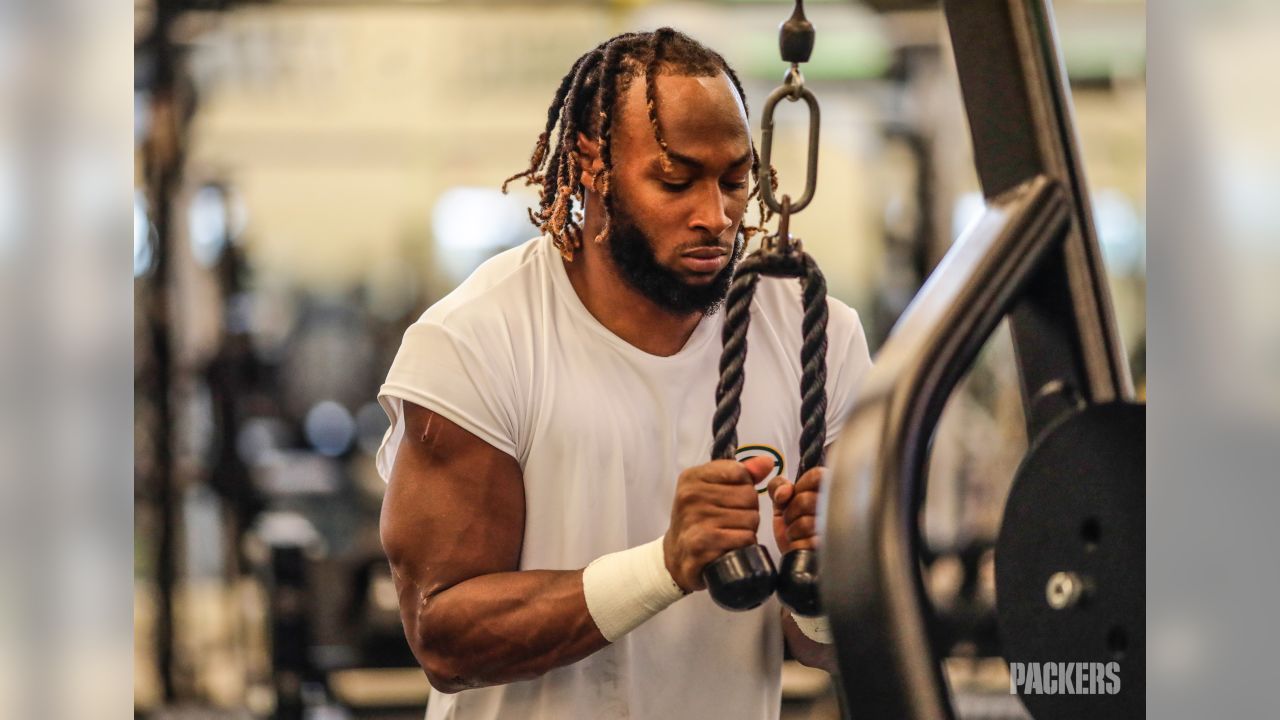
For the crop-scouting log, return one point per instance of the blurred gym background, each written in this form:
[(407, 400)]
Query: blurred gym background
[(312, 174)]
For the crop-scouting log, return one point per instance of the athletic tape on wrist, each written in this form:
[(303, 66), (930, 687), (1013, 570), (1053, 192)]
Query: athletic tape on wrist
[(817, 629), (626, 588)]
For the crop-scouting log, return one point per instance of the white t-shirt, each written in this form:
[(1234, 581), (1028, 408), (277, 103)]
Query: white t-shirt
[(602, 430)]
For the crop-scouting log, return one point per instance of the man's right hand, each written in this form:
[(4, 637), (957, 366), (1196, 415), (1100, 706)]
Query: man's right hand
[(716, 510)]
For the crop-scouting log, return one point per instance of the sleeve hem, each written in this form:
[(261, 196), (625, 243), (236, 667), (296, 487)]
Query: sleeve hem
[(451, 413)]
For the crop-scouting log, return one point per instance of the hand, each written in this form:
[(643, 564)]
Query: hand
[(795, 511), (716, 510)]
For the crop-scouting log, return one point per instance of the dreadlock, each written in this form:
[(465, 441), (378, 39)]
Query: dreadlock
[(585, 102)]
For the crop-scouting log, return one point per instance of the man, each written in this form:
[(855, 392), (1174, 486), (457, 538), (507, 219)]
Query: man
[(550, 505)]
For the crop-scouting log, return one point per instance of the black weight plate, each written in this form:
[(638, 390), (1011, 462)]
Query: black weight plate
[(1078, 505)]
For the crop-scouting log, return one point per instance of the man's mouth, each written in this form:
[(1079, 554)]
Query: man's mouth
[(706, 252), (705, 259)]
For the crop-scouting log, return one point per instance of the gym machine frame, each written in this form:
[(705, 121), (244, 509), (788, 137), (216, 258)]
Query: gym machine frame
[(1032, 257)]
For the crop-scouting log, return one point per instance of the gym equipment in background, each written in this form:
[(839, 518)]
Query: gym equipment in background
[(1070, 556)]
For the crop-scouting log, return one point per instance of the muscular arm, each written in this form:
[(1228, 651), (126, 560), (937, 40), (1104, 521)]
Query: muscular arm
[(452, 525)]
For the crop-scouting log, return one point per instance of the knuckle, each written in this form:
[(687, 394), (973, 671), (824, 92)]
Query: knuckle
[(689, 495), (802, 507), (802, 528), (728, 496), (682, 492), (738, 520), (708, 541), (712, 544), (813, 479), (715, 468), (686, 495), (726, 540), (732, 471), (694, 539)]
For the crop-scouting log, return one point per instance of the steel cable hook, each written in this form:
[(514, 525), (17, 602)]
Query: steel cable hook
[(795, 42)]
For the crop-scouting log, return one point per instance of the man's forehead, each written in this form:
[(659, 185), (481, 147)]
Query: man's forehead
[(698, 94), (694, 112)]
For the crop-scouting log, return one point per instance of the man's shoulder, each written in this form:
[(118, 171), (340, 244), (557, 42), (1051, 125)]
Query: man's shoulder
[(507, 283), (779, 304)]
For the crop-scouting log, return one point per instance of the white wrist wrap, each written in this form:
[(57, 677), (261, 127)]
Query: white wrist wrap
[(626, 588), (817, 629)]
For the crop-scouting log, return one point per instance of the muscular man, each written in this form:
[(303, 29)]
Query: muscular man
[(550, 504)]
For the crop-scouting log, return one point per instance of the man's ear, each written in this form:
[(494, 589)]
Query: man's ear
[(589, 163)]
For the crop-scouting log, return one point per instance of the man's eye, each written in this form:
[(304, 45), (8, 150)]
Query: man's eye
[(735, 185), (675, 186)]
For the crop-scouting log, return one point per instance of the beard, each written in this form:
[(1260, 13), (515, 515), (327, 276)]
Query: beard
[(633, 255)]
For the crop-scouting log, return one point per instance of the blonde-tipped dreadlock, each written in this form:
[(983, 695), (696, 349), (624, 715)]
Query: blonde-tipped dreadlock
[(585, 102)]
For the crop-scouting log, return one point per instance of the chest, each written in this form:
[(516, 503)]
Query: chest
[(597, 409)]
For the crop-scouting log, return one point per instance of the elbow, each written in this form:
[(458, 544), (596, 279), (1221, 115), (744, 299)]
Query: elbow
[(452, 658), (445, 671), (451, 672), (444, 678), (451, 675)]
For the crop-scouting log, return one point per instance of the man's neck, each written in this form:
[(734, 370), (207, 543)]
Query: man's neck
[(622, 309)]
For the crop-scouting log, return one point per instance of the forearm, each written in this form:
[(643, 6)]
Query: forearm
[(807, 651), (500, 628)]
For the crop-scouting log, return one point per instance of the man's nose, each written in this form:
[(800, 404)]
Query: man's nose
[(710, 215)]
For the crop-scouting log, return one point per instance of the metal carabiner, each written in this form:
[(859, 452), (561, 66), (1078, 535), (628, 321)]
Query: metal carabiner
[(792, 89), (781, 242)]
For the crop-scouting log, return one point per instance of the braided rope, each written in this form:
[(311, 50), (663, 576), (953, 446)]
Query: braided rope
[(813, 379), (733, 357), (813, 353)]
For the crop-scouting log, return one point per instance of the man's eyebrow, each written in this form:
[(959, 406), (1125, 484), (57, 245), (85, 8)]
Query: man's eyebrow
[(696, 164)]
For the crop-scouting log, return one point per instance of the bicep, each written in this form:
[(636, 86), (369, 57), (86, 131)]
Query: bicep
[(454, 507)]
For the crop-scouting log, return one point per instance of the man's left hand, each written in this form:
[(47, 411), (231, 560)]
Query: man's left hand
[(795, 509)]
